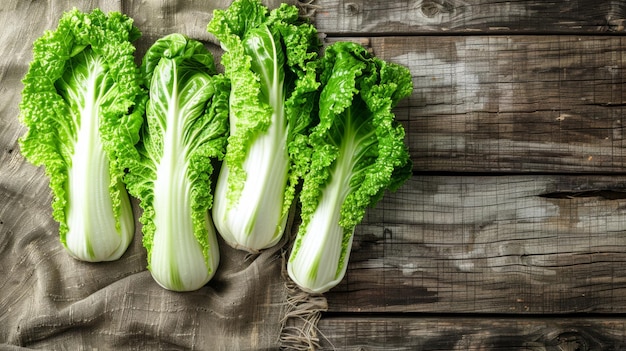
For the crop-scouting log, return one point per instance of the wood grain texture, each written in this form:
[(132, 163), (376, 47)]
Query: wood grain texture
[(472, 334), (337, 17), (512, 244), (512, 103)]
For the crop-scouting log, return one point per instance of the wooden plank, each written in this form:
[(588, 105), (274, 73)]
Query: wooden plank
[(515, 244), (341, 17), (512, 104), (478, 333)]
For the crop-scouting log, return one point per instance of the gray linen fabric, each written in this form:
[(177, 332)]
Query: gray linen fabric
[(49, 300)]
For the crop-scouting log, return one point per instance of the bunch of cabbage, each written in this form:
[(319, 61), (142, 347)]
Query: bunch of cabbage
[(270, 58), (358, 153), (79, 88), (185, 131)]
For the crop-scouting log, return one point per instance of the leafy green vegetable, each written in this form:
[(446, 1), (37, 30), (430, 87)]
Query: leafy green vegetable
[(78, 91), (270, 58), (358, 153), (185, 131)]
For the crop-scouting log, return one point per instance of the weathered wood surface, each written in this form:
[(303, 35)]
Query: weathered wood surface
[(340, 17), (512, 233), (512, 103), (469, 244), (474, 334)]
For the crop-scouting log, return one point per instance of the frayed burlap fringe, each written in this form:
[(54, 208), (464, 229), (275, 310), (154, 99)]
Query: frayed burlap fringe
[(302, 310), (299, 324)]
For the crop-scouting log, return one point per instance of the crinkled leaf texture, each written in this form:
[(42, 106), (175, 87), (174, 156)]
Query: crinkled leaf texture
[(78, 91), (358, 153), (270, 58), (184, 132)]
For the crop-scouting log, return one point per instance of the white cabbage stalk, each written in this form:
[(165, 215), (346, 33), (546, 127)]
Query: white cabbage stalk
[(93, 233), (317, 264), (256, 221), (177, 261)]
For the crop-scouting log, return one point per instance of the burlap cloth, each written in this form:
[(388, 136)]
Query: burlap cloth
[(50, 301)]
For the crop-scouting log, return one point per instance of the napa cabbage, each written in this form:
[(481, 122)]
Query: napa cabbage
[(183, 136), (79, 90), (358, 153), (270, 58)]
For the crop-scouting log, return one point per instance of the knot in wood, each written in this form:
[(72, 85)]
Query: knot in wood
[(352, 8), (431, 8), (571, 341)]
